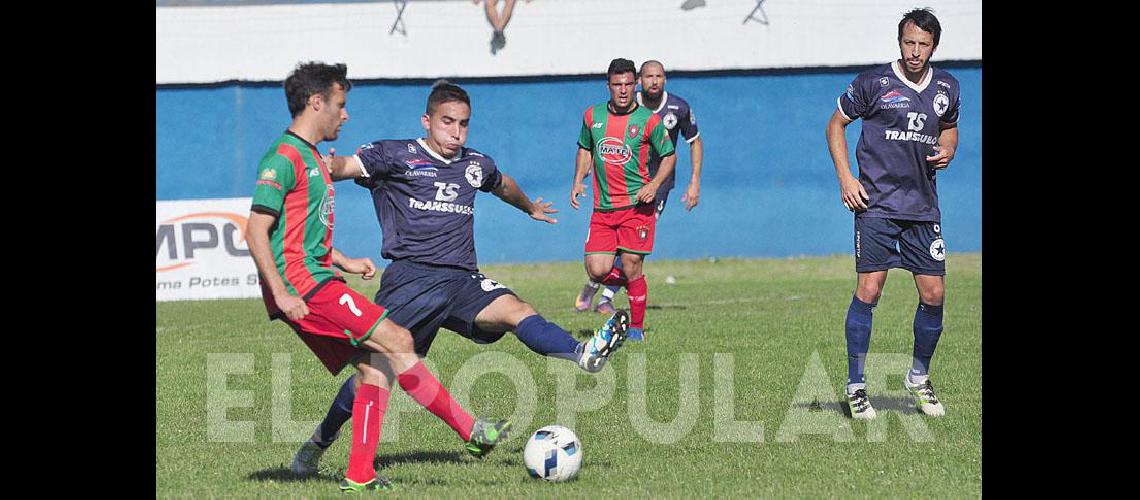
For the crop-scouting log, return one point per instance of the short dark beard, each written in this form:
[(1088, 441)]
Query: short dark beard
[(650, 101)]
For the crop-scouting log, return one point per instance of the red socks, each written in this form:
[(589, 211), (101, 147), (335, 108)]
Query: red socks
[(418, 382), (367, 415), (638, 290), (615, 278)]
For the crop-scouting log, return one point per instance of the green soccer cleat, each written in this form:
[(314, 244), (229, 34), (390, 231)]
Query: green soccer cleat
[(924, 398), (485, 435), (378, 483)]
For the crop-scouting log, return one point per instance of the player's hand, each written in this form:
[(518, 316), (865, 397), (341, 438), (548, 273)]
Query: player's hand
[(362, 266), (579, 190), (327, 160), (691, 197), (292, 305), (855, 198), (648, 193), (538, 211), (941, 158)]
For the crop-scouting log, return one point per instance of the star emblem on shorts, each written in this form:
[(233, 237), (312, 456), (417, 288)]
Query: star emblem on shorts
[(941, 249)]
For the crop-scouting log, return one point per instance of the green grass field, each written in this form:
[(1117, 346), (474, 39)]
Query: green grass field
[(657, 421)]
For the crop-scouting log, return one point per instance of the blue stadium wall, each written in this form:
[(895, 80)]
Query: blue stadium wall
[(768, 188)]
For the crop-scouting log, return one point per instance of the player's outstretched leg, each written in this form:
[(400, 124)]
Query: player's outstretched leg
[(605, 342), (586, 296), (485, 434)]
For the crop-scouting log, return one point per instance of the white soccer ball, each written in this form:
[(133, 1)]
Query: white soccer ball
[(553, 453)]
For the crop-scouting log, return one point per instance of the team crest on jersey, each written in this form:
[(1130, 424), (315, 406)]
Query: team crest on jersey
[(325, 212), (893, 97), (670, 121), (614, 151), (474, 174), (884, 81), (938, 250), (633, 130), (941, 103)]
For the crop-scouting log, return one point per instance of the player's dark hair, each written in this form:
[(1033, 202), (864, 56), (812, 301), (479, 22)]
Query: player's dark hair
[(619, 66), (925, 20), (646, 63), (313, 78), (443, 91)]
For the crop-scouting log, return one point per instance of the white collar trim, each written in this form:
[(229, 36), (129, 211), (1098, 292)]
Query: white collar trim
[(919, 87), (432, 152), (664, 99)]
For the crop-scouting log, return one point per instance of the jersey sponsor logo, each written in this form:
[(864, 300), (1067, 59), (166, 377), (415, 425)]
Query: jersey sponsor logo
[(670, 121), (692, 117), (314, 172), (893, 97), (884, 81), (851, 92), (597, 125), (182, 236), (411, 149), (440, 206), (268, 174), (325, 212), (474, 174), (421, 168), (472, 153), (614, 151), (941, 103), (943, 84), (633, 130), (938, 250), (672, 107), (446, 191), (910, 136)]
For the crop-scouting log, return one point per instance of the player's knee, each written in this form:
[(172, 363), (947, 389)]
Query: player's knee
[(932, 295), (396, 339), (869, 293), (366, 373)]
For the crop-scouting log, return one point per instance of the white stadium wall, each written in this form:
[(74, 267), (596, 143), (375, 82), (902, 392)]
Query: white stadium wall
[(544, 37)]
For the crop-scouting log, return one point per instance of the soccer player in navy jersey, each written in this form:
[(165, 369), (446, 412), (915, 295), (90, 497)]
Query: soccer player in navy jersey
[(680, 120), (424, 195), (910, 115)]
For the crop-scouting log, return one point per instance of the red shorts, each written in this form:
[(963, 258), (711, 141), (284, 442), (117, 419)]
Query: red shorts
[(629, 230), (339, 319)]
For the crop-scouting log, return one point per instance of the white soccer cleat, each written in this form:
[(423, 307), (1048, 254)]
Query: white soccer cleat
[(860, 405), (306, 460), (924, 398), (605, 342)]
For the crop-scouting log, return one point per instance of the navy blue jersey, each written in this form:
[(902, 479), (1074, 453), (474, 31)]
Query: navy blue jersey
[(426, 203), (900, 129), (679, 119)]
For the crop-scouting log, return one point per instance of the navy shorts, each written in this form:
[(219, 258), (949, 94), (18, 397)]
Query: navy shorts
[(882, 244), (423, 298)]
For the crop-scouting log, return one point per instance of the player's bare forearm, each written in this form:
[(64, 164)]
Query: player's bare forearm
[(668, 163), (696, 156), (343, 167), (510, 192), (837, 145), (582, 165), (948, 138), (257, 237)]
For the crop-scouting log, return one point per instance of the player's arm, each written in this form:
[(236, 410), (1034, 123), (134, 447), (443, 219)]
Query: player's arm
[(510, 192), (342, 167), (257, 237), (648, 192), (692, 195), (362, 266), (947, 146), (850, 189), (582, 162)]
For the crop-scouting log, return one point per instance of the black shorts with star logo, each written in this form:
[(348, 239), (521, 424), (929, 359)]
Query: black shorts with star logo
[(882, 244)]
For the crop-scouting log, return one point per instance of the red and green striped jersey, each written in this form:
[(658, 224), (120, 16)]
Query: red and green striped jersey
[(620, 145), (293, 187)]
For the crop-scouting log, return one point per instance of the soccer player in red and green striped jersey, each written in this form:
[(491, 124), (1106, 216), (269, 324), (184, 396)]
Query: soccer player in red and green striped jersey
[(615, 142), (290, 238)]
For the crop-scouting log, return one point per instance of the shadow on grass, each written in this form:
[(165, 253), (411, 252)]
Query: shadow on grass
[(901, 405), (282, 474)]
